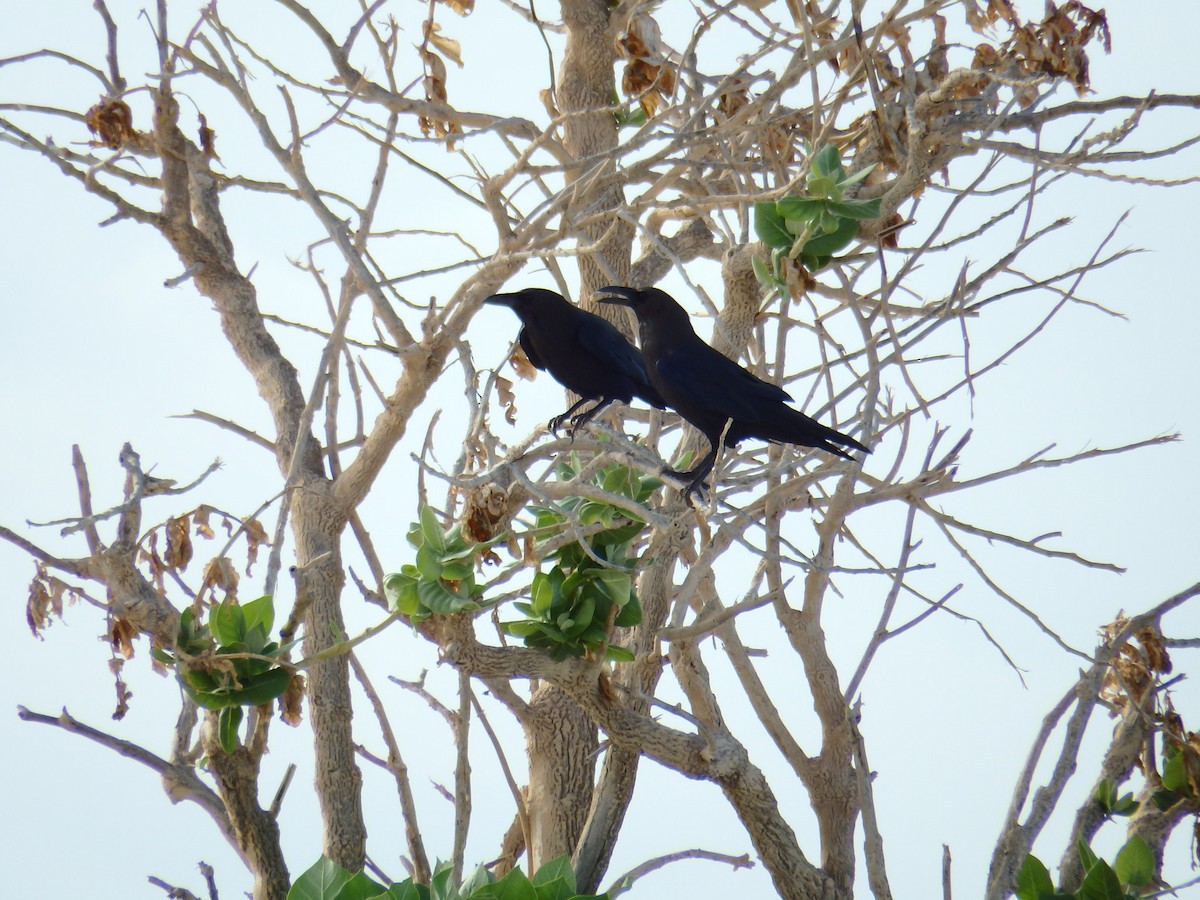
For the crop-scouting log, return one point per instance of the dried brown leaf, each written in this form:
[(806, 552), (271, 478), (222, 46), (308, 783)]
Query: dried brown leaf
[(115, 665), (649, 103), (642, 39), (38, 605), (648, 82), (798, 279), (256, 536), (888, 234), (200, 519), (986, 57), (292, 702), (112, 121), (57, 589), (486, 507), (937, 64), (121, 633), (1191, 762), (1095, 22), (666, 80), (1001, 9), (462, 7), (730, 102), (1057, 46), (1156, 652), (208, 140), (220, 573), (179, 543), (149, 554), (435, 77), (639, 76), (435, 92), (521, 364), (447, 46), (631, 46), (507, 399), (1026, 96), (976, 18)]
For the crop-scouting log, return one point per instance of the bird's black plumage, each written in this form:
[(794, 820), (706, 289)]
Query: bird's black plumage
[(583, 352), (712, 391)]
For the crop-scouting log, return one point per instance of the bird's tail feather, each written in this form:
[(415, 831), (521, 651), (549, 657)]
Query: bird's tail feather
[(793, 427)]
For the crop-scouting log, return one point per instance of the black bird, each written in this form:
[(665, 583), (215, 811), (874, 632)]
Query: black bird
[(712, 391), (583, 352)]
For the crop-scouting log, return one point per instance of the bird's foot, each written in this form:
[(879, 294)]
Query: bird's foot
[(695, 489), (691, 486), (577, 423), (554, 424)]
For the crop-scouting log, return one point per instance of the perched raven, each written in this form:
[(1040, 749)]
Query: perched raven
[(583, 352), (712, 391)]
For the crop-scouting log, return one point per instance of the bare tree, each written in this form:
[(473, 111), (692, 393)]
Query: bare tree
[(867, 184)]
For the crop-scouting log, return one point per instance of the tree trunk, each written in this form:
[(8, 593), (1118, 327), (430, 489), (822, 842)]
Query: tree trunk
[(614, 790), (256, 831), (317, 524), (586, 88), (560, 739)]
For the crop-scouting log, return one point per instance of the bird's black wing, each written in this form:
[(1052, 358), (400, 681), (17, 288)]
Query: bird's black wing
[(712, 380), (602, 338), (527, 346)]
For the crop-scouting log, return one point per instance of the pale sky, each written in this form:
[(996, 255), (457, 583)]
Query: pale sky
[(97, 352)]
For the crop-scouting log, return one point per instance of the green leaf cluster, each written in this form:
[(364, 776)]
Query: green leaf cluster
[(442, 580), (627, 115), (572, 604), (210, 664), (555, 880), (1130, 872), (814, 226), (1176, 785), (1113, 805)]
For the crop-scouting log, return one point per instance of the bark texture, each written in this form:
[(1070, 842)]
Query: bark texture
[(618, 776), (560, 739), (317, 526), (586, 90), (256, 831)]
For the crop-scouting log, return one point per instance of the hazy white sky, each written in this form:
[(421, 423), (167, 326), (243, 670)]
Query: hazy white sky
[(96, 351)]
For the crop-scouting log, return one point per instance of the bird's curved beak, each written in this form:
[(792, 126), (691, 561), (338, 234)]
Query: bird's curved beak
[(500, 300), (620, 296)]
